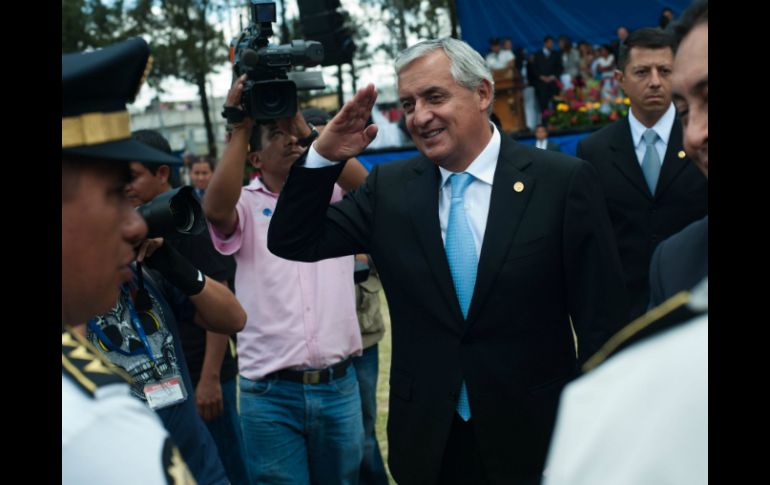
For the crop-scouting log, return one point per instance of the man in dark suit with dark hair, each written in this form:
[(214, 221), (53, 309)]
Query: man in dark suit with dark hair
[(542, 141), (652, 190), (641, 413), (490, 252), (548, 68), (681, 261)]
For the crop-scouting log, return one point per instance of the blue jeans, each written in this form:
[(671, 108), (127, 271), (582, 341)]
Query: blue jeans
[(226, 430), (302, 433), (367, 368)]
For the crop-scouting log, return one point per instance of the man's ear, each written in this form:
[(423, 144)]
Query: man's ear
[(485, 94), (164, 171), (618, 75), (254, 160)]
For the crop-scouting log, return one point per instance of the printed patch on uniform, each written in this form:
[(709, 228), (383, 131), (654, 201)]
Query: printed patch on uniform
[(174, 467), (267, 212)]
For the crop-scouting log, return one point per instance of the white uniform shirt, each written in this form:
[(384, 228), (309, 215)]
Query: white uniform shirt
[(114, 438)]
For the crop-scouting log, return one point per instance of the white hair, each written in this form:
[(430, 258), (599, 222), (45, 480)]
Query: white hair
[(467, 66)]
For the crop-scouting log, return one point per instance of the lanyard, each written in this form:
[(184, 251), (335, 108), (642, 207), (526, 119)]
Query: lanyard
[(137, 324)]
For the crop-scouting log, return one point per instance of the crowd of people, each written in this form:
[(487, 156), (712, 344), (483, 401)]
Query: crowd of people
[(575, 70), (247, 351)]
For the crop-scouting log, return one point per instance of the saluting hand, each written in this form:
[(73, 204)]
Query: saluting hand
[(347, 135)]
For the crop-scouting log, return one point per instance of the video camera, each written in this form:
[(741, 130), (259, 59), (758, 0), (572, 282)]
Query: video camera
[(270, 92), (172, 214)]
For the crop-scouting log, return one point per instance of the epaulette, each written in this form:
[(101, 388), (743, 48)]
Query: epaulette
[(86, 366), (680, 308)]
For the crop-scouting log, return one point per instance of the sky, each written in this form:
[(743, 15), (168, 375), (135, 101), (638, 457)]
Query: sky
[(380, 73)]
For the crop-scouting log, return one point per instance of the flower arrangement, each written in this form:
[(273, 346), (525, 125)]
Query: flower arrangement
[(584, 107)]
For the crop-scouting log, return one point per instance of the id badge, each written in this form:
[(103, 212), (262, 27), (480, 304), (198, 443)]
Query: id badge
[(166, 392)]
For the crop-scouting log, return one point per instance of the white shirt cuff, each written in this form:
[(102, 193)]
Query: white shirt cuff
[(315, 160)]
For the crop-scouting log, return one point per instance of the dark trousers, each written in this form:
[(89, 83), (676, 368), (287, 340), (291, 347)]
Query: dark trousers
[(226, 431), (372, 466), (462, 463)]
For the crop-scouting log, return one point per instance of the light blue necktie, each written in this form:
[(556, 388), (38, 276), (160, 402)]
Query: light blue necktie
[(463, 261), (651, 160)]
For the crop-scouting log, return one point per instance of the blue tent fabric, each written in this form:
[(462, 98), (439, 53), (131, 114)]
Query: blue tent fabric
[(568, 145), (527, 22)]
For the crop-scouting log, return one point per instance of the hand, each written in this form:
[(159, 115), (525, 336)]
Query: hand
[(235, 93), (147, 248), (208, 398), (347, 135), (295, 126)]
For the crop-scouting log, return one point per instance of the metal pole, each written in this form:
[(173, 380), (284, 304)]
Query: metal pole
[(339, 85)]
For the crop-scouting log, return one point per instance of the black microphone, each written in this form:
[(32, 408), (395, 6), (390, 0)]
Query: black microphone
[(249, 59)]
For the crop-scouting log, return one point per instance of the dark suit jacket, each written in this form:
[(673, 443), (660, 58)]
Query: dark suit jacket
[(639, 219), (553, 146), (547, 255), (551, 65), (680, 262)]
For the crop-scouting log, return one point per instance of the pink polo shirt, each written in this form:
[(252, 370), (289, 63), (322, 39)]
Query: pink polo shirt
[(300, 315)]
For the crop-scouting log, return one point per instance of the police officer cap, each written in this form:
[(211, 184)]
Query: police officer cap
[(96, 86)]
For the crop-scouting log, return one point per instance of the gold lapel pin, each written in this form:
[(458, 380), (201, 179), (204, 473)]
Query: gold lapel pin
[(681, 154), (518, 187)]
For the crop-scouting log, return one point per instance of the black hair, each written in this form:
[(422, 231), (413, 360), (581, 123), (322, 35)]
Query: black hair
[(696, 14), (255, 138), (647, 38), (155, 140), (205, 159)]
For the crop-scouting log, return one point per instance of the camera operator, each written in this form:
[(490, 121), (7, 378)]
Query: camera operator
[(140, 333), (213, 367), (299, 402)]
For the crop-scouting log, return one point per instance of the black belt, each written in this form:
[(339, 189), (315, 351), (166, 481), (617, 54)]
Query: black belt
[(321, 376)]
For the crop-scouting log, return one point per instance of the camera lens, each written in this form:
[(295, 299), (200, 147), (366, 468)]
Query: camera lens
[(274, 99), (183, 215), (272, 103)]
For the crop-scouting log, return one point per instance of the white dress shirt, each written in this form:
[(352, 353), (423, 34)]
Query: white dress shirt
[(477, 195), (662, 128)]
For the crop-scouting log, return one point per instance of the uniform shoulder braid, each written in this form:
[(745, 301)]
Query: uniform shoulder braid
[(680, 308), (85, 365)]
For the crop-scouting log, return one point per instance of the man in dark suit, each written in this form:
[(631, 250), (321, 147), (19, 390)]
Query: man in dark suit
[(655, 370), (542, 141), (647, 200), (547, 68), (484, 284), (681, 261)]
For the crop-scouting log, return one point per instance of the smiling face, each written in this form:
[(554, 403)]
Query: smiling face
[(646, 80), (99, 230), (691, 94), (448, 122)]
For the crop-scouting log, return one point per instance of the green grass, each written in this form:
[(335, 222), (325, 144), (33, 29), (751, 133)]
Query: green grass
[(383, 386)]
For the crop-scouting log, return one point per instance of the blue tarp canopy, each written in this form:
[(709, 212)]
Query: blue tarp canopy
[(527, 22)]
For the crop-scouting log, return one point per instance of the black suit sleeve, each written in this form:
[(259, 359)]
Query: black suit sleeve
[(656, 277), (305, 227), (579, 151), (596, 293)]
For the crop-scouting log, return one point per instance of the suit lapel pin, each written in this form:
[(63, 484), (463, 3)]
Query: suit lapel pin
[(681, 154), (518, 187)]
